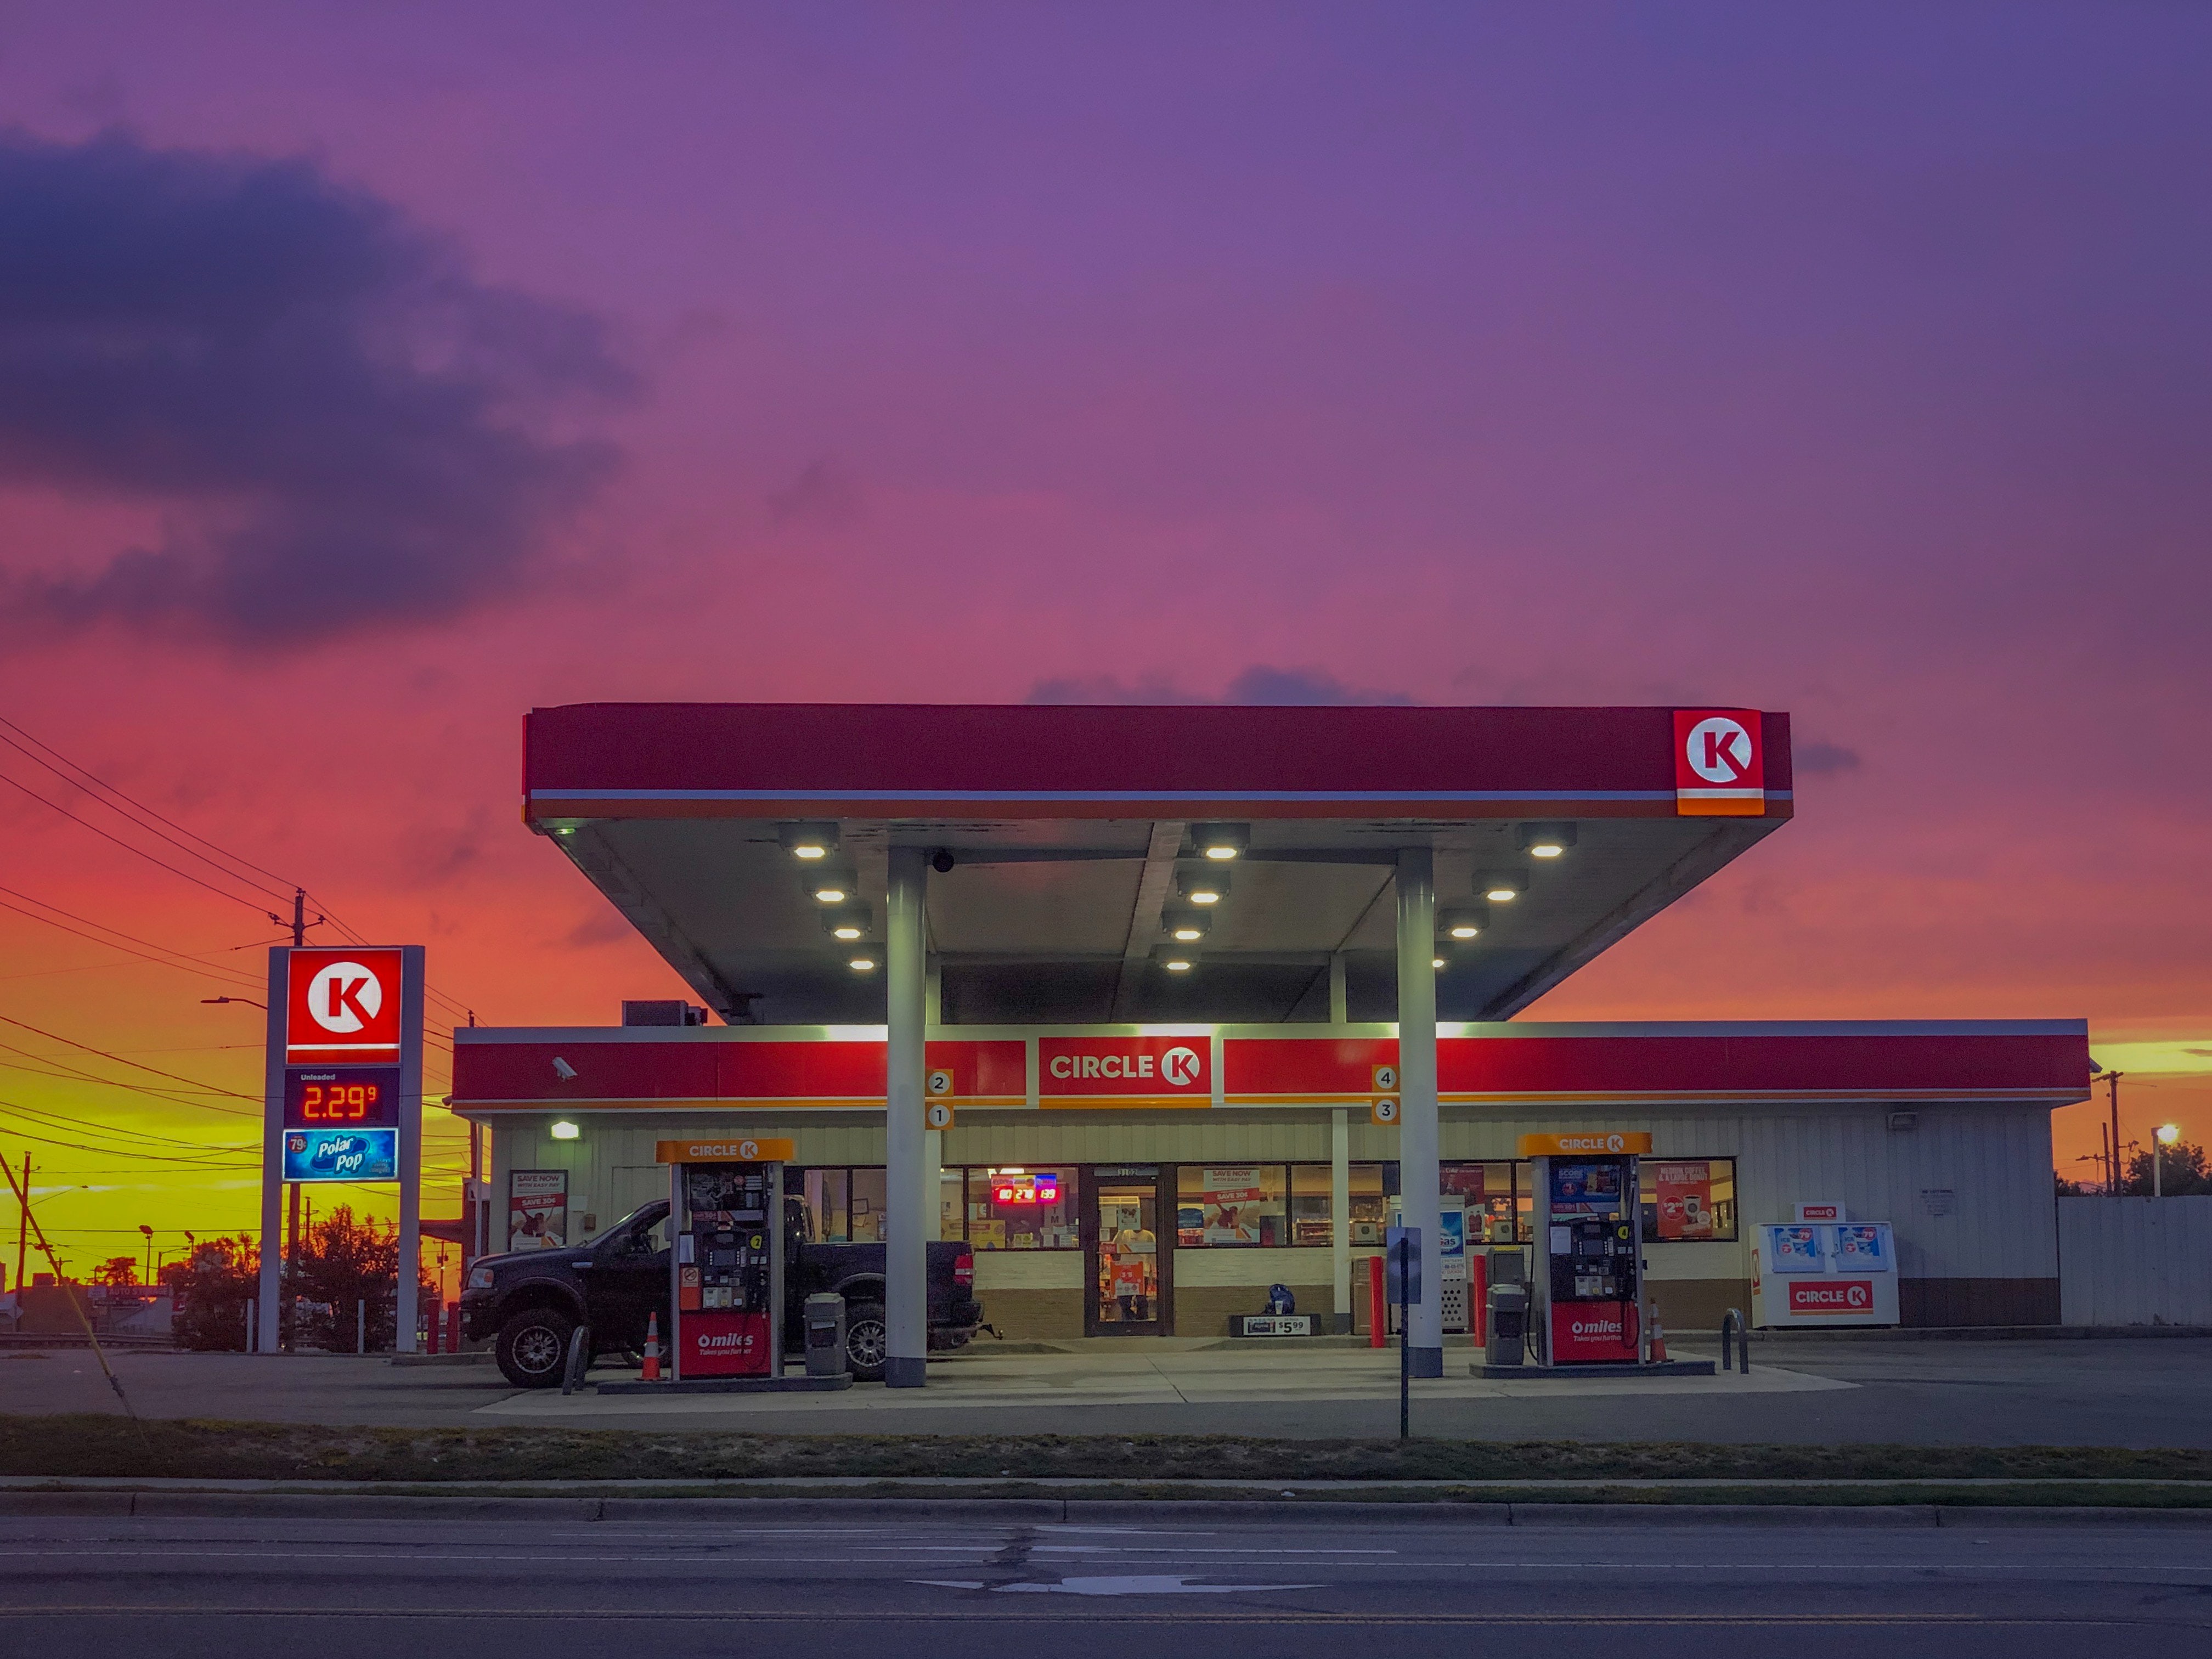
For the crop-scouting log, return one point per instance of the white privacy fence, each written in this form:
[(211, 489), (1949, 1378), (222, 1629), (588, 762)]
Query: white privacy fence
[(2135, 1261)]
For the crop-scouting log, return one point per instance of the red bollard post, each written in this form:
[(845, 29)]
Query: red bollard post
[(1378, 1312)]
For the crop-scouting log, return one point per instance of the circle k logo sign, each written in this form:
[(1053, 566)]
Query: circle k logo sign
[(1130, 1067), (1719, 750), (1179, 1067), (345, 997)]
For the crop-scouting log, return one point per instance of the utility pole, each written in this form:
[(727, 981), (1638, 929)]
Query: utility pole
[(2113, 1084), (23, 1222), (299, 917)]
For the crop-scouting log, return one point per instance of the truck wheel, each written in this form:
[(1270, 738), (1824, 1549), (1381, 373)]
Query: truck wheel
[(867, 1341), (533, 1348)]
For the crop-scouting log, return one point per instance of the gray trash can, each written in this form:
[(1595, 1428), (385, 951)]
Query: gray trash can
[(1509, 1324), (826, 1335)]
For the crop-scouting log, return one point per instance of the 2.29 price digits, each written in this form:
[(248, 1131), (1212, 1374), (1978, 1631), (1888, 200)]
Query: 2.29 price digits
[(351, 1097), (339, 1102)]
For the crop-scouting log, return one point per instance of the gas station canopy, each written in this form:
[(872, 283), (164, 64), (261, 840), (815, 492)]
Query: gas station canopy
[(1061, 838)]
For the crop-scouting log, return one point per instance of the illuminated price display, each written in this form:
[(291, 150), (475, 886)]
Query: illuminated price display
[(342, 1097)]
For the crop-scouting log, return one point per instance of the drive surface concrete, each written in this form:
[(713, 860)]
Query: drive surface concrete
[(244, 1587), (2117, 1392)]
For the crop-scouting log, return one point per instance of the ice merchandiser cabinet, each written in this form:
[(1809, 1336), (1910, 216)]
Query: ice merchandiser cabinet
[(1591, 1305), (1824, 1269), (726, 1211)]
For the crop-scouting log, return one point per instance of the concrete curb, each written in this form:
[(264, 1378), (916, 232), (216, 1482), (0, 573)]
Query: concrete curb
[(363, 1506)]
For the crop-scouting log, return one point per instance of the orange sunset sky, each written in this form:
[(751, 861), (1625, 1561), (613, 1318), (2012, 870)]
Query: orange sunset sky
[(368, 379)]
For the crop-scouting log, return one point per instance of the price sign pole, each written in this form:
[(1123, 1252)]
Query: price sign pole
[(1401, 1252), (341, 1099)]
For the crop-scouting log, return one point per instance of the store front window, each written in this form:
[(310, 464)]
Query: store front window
[(1024, 1207), (1230, 1205), (1688, 1199)]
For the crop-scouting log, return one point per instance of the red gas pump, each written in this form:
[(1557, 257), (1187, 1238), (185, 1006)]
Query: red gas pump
[(1589, 1250), (726, 1204)]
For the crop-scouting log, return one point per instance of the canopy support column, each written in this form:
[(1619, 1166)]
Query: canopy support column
[(1418, 1176), (1340, 1210), (911, 1223)]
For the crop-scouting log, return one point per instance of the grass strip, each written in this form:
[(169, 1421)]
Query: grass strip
[(90, 1445)]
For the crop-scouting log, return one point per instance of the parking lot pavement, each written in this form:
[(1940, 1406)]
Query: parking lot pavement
[(2118, 1391), (242, 1587)]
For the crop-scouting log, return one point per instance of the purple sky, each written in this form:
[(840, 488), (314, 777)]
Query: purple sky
[(1846, 361)]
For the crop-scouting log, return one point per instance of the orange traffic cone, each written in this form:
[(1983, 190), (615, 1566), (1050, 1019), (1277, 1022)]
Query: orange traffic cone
[(1658, 1343), (653, 1347)]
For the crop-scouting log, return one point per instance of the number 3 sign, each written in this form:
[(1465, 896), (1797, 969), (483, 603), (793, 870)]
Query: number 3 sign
[(1383, 1109)]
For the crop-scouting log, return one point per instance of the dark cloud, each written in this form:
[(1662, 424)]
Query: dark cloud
[(327, 406), (823, 494), (1822, 760), (1259, 684)]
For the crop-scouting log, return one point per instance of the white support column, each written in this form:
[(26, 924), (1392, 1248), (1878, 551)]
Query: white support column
[(410, 1146), (269, 1308), (1419, 1176), (911, 1223), (1340, 1210), (1339, 1009)]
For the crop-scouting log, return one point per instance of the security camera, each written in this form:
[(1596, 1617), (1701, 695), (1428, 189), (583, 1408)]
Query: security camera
[(941, 860)]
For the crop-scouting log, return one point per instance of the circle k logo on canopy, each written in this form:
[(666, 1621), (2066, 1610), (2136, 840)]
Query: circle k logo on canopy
[(1720, 762)]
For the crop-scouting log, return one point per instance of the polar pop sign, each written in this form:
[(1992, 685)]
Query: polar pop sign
[(343, 1005), (1720, 762)]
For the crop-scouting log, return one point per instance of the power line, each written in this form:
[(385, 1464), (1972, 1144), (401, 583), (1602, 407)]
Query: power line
[(62, 1118), (110, 1151), (138, 807), (135, 1064), (205, 970), (250, 904), (132, 815), (67, 1073)]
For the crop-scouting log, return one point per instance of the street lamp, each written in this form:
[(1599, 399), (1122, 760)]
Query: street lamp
[(248, 1001), (2164, 1136), (148, 1232)]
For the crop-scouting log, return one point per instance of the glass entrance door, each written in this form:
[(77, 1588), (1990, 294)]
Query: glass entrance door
[(1128, 1255)]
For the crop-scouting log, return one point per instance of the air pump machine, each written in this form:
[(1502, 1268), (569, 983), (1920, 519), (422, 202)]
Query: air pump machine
[(726, 1215), (1589, 1303)]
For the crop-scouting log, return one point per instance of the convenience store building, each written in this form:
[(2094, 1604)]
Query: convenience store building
[(1209, 995)]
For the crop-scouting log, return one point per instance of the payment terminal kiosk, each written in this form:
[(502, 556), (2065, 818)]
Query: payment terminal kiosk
[(725, 1202), (1590, 1306)]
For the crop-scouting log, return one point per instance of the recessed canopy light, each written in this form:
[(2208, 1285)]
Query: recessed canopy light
[(862, 964), (848, 930), (1186, 927), (1202, 886), (829, 884), (564, 1130), (1221, 842), (849, 922), (1547, 840), (1439, 962), (1177, 964), (1463, 923), (807, 841), (1176, 958), (1501, 886)]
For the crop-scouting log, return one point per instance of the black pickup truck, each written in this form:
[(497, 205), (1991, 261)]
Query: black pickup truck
[(528, 1301)]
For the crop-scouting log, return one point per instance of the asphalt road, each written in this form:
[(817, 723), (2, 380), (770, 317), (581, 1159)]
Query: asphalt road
[(2118, 1392), (235, 1588)]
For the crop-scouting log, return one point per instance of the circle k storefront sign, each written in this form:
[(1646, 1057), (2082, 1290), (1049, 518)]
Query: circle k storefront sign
[(343, 1005), (1720, 762), (1165, 1071)]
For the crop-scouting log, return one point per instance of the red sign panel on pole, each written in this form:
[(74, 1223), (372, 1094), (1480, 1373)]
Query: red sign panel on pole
[(343, 1006), (1720, 762)]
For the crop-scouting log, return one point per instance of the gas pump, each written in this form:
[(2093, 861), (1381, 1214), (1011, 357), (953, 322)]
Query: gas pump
[(1590, 1303), (726, 1208)]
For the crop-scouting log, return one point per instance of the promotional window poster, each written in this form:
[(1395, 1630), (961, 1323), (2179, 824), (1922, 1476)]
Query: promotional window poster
[(537, 1209), (1229, 1202), (1685, 1193), (1585, 1189)]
